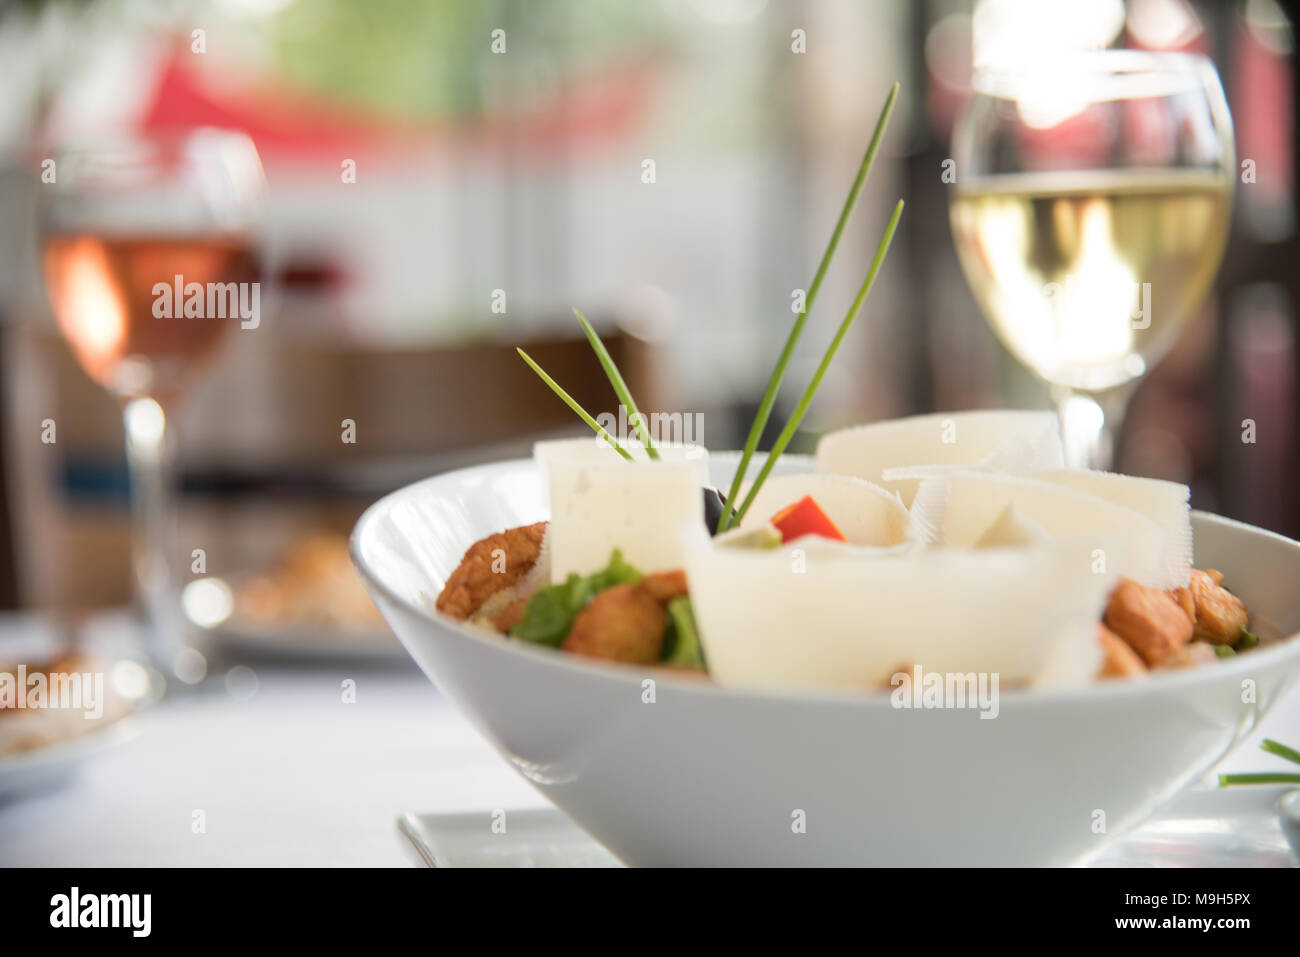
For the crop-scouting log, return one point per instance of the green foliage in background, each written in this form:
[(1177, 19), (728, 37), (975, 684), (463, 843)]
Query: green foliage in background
[(416, 58)]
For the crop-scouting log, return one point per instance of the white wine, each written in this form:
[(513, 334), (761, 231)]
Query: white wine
[(1088, 276)]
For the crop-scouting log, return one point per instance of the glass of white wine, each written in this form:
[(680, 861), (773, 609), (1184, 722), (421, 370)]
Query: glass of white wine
[(1090, 212)]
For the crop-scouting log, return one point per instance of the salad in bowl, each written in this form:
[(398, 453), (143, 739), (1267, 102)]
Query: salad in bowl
[(929, 643)]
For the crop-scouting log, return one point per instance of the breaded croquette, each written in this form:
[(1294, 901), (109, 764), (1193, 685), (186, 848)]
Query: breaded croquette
[(622, 623), (483, 571)]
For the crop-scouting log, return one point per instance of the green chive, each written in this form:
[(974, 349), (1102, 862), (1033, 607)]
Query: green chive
[(802, 408), (1268, 778), (620, 387), (1281, 750), (778, 374), (572, 403)]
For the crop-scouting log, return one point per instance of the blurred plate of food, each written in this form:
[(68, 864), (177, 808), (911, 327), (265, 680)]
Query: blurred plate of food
[(310, 604), (55, 714)]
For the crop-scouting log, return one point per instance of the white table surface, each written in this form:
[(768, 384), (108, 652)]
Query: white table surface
[(293, 776)]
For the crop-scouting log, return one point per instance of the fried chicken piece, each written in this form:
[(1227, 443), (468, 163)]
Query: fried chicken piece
[(509, 616), (663, 587), (622, 623), (482, 573), (1119, 661), (1218, 615), (1153, 624)]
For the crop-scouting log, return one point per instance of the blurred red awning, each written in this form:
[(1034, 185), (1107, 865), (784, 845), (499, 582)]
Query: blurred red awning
[(290, 124)]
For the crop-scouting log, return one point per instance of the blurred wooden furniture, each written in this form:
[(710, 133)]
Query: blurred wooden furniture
[(262, 453)]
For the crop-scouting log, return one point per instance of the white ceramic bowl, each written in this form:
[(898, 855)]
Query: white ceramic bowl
[(705, 775)]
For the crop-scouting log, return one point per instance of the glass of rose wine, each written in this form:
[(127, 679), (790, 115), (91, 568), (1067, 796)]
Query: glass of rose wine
[(150, 255), (1090, 211)]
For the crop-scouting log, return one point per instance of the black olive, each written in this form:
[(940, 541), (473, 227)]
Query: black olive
[(713, 508)]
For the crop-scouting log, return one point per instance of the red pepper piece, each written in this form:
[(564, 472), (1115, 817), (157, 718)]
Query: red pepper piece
[(805, 517)]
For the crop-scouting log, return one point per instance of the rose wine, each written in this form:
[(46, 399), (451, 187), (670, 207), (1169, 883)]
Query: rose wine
[(105, 292), (1086, 277)]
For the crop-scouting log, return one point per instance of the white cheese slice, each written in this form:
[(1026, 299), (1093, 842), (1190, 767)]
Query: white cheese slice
[(1075, 659), (1120, 539), (601, 502), (1165, 503), (593, 450), (1002, 439), (1011, 529), (825, 615)]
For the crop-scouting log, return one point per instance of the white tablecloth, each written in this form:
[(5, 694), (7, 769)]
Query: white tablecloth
[(293, 776), (290, 776)]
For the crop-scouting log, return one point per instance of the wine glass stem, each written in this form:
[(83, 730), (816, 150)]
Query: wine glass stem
[(1089, 424), (148, 456)]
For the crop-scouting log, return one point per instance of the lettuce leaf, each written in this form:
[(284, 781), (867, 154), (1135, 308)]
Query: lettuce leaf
[(549, 614), (682, 643)]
